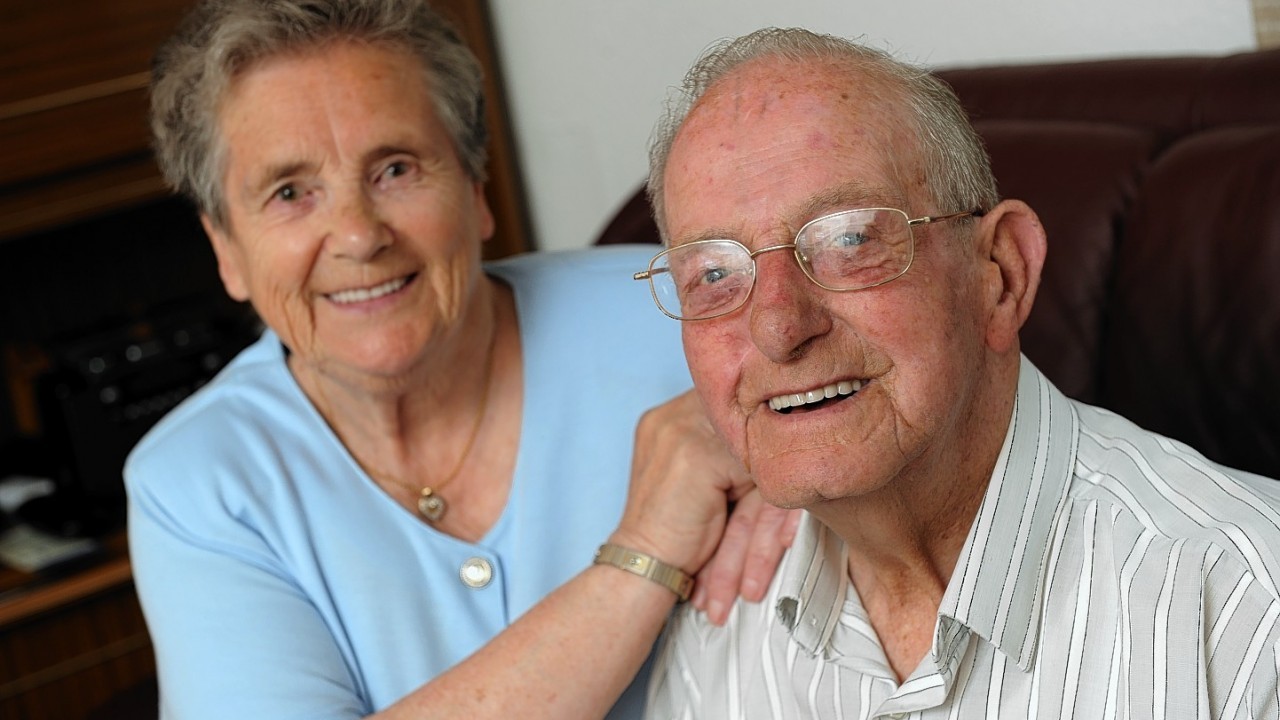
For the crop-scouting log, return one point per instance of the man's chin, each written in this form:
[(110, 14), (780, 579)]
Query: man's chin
[(791, 489), (813, 481)]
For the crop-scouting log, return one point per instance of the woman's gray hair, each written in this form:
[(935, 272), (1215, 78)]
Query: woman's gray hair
[(220, 39), (957, 167)]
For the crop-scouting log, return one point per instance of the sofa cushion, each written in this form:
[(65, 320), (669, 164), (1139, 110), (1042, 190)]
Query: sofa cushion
[(1080, 178), (1192, 348)]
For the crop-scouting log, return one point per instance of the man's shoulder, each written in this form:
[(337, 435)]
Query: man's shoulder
[(1114, 451), (1173, 496), (806, 593)]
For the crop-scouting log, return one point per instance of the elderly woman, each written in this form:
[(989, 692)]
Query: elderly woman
[(389, 503)]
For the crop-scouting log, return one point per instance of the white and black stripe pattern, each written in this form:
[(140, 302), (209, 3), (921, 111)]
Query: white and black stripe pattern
[(1110, 573)]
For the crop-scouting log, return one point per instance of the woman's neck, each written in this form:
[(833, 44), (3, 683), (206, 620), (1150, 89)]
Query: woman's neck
[(452, 418)]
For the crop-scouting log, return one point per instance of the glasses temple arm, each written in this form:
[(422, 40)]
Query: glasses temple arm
[(979, 212)]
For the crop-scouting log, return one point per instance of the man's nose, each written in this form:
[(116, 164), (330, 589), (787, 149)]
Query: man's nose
[(356, 228), (785, 311)]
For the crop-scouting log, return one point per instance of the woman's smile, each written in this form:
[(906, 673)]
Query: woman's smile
[(366, 294)]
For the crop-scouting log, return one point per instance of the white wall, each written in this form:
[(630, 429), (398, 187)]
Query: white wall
[(586, 79)]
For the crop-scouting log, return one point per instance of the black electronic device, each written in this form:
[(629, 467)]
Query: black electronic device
[(101, 395)]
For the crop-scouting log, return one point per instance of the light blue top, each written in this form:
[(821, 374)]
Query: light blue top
[(278, 581)]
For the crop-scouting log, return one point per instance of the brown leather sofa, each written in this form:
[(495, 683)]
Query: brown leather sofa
[(1158, 181)]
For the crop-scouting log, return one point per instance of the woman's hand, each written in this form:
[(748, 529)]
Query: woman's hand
[(684, 482), (747, 558)]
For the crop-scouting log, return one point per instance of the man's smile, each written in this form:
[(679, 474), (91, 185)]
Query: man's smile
[(817, 397)]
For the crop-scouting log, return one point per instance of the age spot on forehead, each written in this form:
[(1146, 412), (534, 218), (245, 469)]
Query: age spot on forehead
[(818, 139)]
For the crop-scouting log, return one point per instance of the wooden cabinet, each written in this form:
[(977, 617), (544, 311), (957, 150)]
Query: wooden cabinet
[(72, 645), (505, 190), (74, 148), (73, 136)]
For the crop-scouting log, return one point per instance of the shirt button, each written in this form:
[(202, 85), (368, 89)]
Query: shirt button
[(476, 572)]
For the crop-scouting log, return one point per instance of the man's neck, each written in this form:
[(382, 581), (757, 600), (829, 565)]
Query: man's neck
[(905, 539), (901, 558)]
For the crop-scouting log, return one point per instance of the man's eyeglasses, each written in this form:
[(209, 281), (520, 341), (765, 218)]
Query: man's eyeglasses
[(842, 252)]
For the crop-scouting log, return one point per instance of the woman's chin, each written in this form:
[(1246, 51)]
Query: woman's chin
[(373, 367)]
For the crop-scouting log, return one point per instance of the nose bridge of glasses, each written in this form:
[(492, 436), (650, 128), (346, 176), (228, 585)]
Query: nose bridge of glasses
[(801, 261), (785, 246)]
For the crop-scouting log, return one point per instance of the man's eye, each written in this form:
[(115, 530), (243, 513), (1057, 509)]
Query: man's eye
[(287, 193), (850, 239), (713, 275)]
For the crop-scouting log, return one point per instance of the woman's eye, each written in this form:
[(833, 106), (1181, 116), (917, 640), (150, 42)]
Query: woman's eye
[(287, 193), (395, 170)]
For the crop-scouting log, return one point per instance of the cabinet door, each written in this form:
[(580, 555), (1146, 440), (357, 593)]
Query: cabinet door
[(505, 190), (73, 135)]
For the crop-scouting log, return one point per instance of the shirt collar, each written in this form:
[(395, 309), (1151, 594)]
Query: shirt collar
[(998, 584), (997, 587), (812, 585)]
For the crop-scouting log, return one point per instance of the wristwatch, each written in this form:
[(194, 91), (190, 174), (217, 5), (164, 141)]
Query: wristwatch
[(646, 566)]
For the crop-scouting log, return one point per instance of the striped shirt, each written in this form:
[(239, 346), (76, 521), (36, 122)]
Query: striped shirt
[(1110, 573)]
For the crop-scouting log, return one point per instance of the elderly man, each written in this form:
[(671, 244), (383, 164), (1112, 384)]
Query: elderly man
[(977, 545)]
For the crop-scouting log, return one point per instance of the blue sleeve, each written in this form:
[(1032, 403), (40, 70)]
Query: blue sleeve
[(234, 636)]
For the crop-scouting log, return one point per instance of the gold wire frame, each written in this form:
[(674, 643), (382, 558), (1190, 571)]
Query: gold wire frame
[(648, 274)]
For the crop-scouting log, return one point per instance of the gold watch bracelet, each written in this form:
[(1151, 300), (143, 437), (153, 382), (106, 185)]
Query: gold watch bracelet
[(646, 566)]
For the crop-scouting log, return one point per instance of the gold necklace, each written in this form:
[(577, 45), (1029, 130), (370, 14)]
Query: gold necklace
[(430, 504)]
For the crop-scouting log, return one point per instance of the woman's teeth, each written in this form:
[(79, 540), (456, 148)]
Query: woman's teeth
[(844, 387), (346, 297)]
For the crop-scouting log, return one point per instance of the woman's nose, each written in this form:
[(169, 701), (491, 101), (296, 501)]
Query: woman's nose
[(785, 312), (357, 231)]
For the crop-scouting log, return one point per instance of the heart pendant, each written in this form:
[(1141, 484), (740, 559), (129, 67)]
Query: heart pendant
[(431, 506)]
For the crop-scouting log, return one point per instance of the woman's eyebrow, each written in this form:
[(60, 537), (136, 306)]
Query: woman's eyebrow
[(274, 173), (384, 151)]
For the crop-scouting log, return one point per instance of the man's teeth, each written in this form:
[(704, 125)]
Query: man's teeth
[(365, 294), (844, 387)]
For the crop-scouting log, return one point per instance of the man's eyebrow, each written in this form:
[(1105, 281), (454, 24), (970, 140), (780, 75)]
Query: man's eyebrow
[(847, 196), (709, 234)]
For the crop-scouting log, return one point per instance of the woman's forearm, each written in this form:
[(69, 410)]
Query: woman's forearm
[(570, 656)]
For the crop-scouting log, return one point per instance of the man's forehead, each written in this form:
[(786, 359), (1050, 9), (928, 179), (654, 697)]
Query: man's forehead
[(831, 99), (834, 145), (770, 78)]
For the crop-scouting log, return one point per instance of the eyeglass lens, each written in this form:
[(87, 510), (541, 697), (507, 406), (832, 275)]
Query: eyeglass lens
[(844, 251)]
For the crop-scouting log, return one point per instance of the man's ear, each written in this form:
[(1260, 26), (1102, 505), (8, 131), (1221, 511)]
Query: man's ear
[(1015, 248), (230, 260)]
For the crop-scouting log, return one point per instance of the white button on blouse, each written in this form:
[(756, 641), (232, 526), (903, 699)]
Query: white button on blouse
[(476, 572)]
